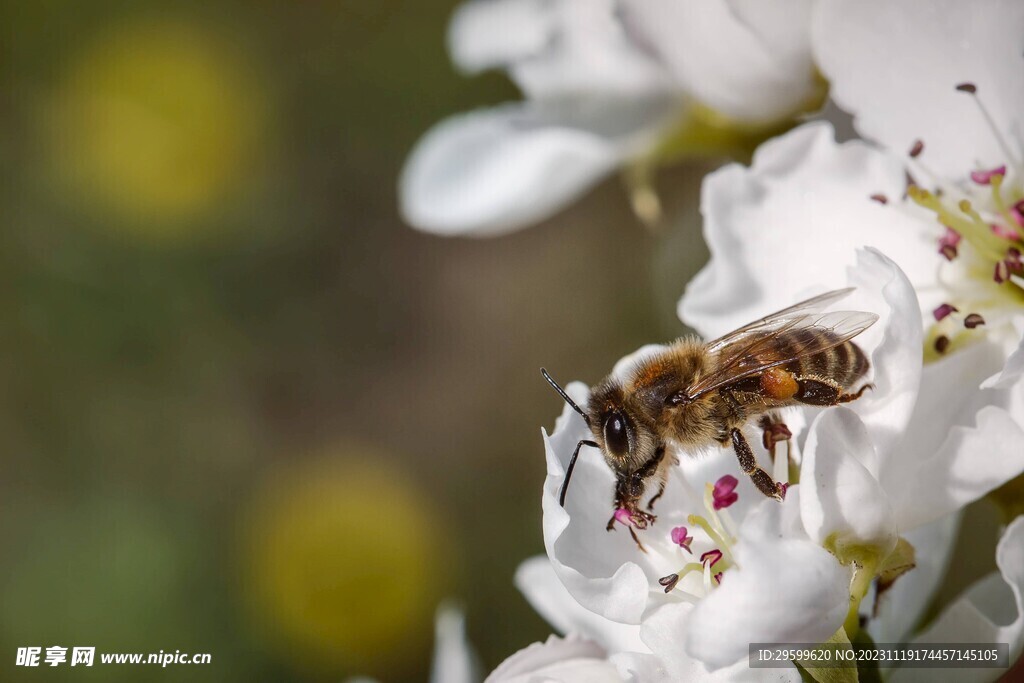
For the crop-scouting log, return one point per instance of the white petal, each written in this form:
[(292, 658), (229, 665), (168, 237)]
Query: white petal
[(1011, 371), (454, 661), (787, 226), (786, 36), (971, 462), (641, 668), (784, 589), (841, 502), (959, 443), (901, 607), (735, 57), (558, 660), (536, 579), (894, 344), (492, 171), (590, 53), (992, 611), (484, 34), (664, 629), (948, 396), (894, 65)]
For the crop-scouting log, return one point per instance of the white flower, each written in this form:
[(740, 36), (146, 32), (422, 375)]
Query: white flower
[(872, 472), (537, 579), (605, 81), (962, 98), (796, 216)]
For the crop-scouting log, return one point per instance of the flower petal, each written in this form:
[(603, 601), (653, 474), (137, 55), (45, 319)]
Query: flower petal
[(936, 46), (795, 217), (536, 579), (640, 668), (664, 627), (901, 607), (841, 502), (784, 589), (484, 34), (454, 661), (1011, 371), (894, 343), (960, 443), (972, 461), (734, 56), (590, 53), (492, 171), (559, 660), (991, 611)]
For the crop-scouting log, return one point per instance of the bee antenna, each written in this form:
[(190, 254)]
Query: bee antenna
[(565, 396)]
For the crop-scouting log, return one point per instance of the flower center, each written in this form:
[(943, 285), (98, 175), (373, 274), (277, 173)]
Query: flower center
[(984, 233), (717, 530), (980, 245)]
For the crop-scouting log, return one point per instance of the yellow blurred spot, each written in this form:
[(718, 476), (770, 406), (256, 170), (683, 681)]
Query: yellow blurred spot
[(344, 559), (155, 121)]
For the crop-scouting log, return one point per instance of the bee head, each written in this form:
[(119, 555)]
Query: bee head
[(628, 442), (629, 445)]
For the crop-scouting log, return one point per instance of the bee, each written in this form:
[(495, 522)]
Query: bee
[(695, 395)]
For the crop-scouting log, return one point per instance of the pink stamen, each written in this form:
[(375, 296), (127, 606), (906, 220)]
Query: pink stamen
[(1005, 231), (623, 516), (985, 177), (783, 487), (681, 539), (948, 243), (718, 577), (711, 556), (944, 310), (724, 493)]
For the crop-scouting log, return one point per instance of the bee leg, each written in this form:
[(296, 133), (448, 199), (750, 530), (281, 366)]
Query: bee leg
[(824, 392), (636, 539), (846, 398), (662, 476), (659, 494), (748, 463)]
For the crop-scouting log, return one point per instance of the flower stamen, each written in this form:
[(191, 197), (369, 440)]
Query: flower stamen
[(724, 492), (681, 538), (972, 90), (943, 310)]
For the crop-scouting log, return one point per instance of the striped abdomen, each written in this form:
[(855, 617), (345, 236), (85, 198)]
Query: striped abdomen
[(844, 363)]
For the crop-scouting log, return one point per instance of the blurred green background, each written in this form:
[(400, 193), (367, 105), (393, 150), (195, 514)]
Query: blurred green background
[(247, 411)]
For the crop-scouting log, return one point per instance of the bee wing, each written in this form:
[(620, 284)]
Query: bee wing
[(771, 321), (756, 349)]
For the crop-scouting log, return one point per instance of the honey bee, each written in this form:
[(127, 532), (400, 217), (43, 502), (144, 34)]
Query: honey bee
[(695, 395)]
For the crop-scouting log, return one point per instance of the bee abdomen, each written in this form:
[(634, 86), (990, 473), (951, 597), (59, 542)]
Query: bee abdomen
[(844, 363)]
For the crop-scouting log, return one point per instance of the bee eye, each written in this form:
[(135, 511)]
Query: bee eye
[(615, 438)]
